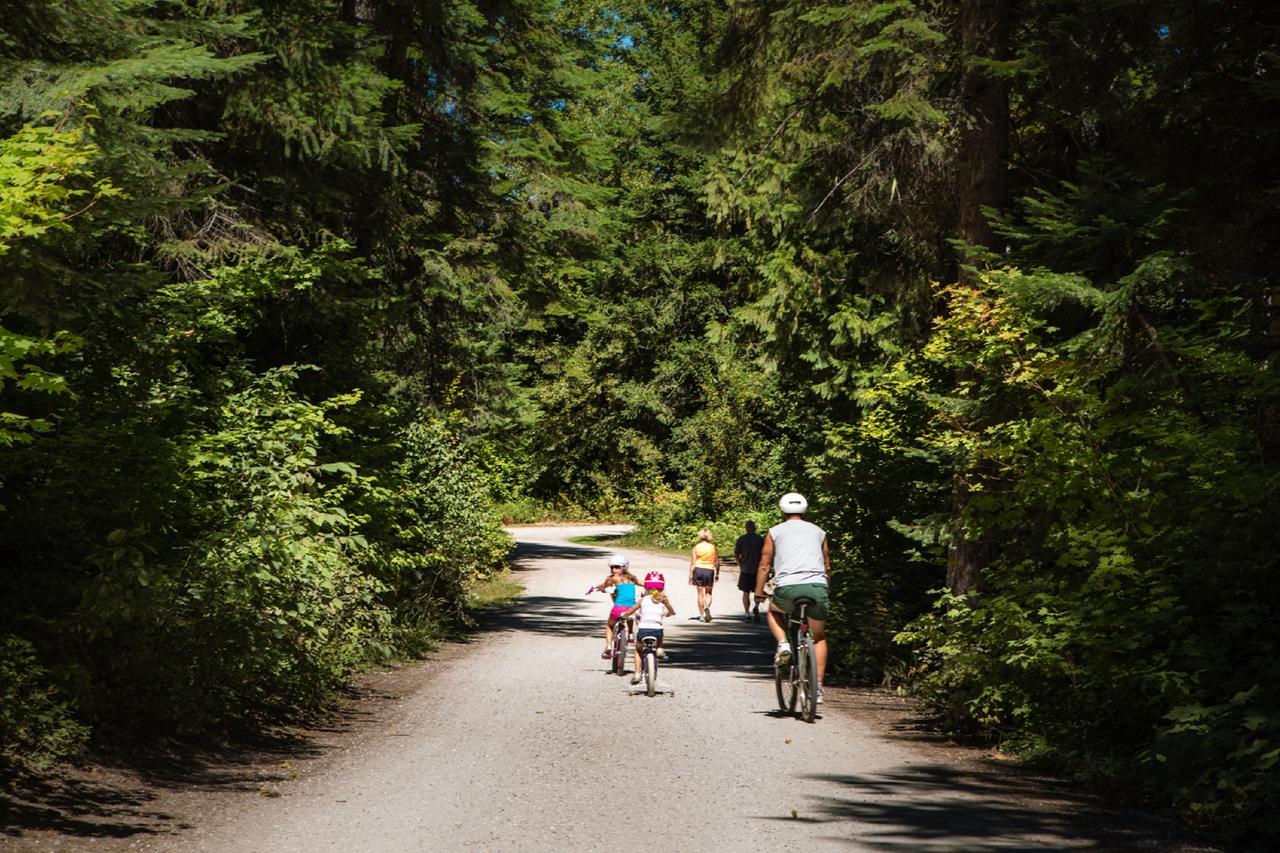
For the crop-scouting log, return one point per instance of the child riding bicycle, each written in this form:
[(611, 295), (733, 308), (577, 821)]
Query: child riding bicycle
[(653, 608), (624, 588)]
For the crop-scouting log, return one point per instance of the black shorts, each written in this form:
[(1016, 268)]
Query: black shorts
[(643, 633), (747, 581), (704, 577)]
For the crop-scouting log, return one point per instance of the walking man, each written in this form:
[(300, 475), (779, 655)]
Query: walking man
[(797, 552), (747, 552)]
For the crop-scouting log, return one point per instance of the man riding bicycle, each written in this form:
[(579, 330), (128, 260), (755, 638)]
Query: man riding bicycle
[(797, 552)]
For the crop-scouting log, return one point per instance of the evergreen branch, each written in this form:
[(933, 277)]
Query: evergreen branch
[(840, 182), (1163, 353), (776, 133)]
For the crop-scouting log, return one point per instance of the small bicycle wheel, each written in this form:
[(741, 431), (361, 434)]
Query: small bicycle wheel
[(808, 680), (620, 649), (651, 673)]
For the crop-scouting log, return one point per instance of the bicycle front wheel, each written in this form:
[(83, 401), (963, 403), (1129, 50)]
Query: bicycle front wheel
[(808, 679), (651, 673), (620, 650)]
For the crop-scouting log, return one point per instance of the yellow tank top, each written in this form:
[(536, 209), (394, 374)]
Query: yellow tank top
[(704, 556)]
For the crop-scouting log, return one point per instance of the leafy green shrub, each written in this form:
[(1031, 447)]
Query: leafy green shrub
[(433, 532), (522, 510), (528, 510), (36, 726), (1221, 762), (1125, 627), (671, 522), (266, 609)]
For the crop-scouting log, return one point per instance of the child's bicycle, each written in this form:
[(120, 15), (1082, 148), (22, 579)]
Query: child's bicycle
[(623, 630), (798, 680), (649, 664)]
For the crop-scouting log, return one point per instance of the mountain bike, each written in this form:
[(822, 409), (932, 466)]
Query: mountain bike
[(622, 631), (797, 681)]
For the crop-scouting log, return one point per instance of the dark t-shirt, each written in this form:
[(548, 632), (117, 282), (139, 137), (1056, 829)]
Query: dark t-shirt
[(747, 549)]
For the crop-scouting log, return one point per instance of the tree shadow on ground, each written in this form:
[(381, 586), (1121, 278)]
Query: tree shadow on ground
[(525, 555), (731, 645), (725, 644), (547, 615), (113, 794), (75, 807), (939, 807)]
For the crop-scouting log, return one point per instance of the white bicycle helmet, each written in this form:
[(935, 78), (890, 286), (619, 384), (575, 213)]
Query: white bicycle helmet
[(793, 503), (619, 560)]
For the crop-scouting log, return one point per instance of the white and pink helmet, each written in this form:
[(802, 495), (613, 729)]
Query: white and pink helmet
[(655, 580)]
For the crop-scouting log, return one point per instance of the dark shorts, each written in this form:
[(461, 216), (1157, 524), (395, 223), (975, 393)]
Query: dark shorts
[(656, 633), (746, 581), (784, 598), (704, 577)]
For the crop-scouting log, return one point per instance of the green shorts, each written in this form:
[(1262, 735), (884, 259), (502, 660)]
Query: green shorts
[(785, 599)]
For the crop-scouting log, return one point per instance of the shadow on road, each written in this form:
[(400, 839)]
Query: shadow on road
[(114, 797), (745, 650), (549, 615), (724, 644), (525, 555), (945, 807), (75, 808)]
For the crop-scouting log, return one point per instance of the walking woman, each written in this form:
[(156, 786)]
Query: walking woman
[(704, 571)]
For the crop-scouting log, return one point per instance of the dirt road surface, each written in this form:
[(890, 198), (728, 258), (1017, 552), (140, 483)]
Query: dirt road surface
[(520, 740)]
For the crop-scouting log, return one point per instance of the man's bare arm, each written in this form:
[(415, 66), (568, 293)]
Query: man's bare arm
[(766, 563)]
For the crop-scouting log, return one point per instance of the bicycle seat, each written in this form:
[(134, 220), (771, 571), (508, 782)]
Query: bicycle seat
[(799, 601), (650, 641)]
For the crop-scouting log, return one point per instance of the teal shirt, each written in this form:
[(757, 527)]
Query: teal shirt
[(624, 595)]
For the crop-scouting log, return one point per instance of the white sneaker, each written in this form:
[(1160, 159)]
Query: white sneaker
[(818, 700), (662, 654), (783, 657)]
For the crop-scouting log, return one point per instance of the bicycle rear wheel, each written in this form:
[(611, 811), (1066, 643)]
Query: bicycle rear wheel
[(651, 673), (784, 681), (808, 679)]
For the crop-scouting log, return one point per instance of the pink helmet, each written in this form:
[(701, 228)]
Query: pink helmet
[(655, 580)]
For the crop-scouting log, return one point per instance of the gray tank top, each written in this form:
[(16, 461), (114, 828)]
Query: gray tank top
[(797, 553)]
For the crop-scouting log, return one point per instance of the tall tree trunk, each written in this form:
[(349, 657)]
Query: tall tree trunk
[(984, 142), (981, 178)]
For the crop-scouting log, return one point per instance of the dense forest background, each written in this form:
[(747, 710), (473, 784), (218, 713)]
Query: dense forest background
[(300, 299)]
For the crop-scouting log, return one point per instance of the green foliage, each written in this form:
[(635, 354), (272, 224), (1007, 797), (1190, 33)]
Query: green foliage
[(436, 533), (524, 269), (673, 522), (36, 724), (266, 608), (40, 166), (1108, 397), (277, 236), (1123, 591)]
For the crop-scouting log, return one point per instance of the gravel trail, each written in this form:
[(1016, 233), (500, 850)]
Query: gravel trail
[(519, 740)]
